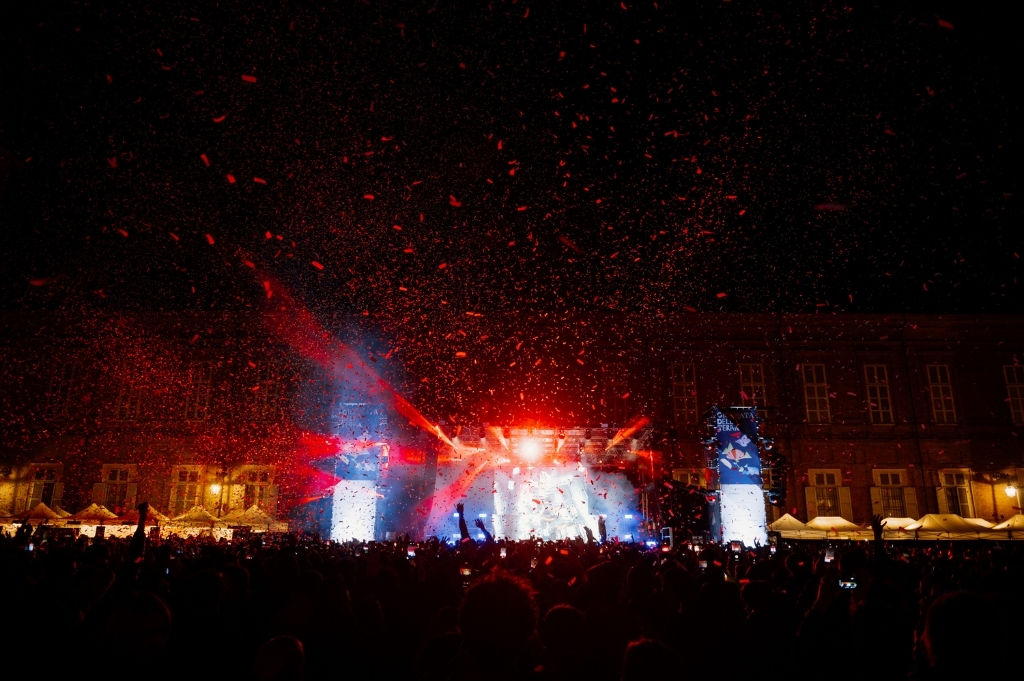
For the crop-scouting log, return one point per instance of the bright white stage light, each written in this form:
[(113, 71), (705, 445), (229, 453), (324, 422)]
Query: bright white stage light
[(529, 448)]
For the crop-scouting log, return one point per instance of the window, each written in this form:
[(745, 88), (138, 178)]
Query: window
[(879, 405), (815, 393), (694, 477), (826, 495), (45, 485), (954, 492), (684, 393), (129, 399), (616, 393), (752, 391), (889, 493), (1014, 376), (117, 489), (257, 488), (941, 391), (186, 490), (267, 392), (197, 403), (58, 395)]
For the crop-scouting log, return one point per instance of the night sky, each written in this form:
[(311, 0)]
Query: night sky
[(412, 162)]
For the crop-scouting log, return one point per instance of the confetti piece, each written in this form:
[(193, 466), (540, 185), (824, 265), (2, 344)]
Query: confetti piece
[(454, 202), (230, 178), (317, 265), (219, 119), (205, 159), (209, 239), (249, 79)]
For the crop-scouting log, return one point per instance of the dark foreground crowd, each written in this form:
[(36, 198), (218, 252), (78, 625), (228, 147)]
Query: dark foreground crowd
[(291, 607)]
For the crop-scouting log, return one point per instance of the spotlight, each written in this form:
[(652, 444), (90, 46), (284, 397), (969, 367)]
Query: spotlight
[(561, 434), (529, 448), (215, 488), (586, 434), (506, 433)]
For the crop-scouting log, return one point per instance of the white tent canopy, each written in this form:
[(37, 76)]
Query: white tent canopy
[(94, 512), (947, 526)]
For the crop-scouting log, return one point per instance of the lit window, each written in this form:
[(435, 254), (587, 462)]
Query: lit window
[(815, 393), (684, 393), (1014, 376), (954, 492), (186, 490), (46, 486), (116, 489), (826, 495), (941, 391), (879, 404), (889, 497)]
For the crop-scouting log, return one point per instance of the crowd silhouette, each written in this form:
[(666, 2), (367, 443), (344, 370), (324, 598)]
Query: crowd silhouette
[(295, 607)]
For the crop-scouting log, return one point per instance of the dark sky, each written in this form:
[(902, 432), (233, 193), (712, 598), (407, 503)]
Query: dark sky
[(521, 157)]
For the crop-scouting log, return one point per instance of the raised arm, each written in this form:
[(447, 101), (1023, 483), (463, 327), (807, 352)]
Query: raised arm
[(463, 528), (483, 528), (137, 547)]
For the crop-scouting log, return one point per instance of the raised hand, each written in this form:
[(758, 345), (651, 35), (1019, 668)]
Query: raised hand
[(460, 507), (479, 523)]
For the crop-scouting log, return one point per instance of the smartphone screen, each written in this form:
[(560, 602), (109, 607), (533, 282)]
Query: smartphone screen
[(848, 583), (830, 554), (466, 572), (503, 552), (703, 564), (533, 563), (410, 551)]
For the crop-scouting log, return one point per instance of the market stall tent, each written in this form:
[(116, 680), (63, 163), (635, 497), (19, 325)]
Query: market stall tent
[(896, 528), (1013, 527), (948, 526), (839, 528), (94, 513)]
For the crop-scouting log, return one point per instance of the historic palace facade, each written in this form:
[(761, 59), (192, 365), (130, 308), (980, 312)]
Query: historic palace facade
[(889, 414)]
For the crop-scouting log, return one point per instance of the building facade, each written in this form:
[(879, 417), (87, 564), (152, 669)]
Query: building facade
[(888, 414)]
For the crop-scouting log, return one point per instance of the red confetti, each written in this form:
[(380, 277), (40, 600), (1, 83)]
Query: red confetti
[(218, 119), (453, 201), (209, 239), (249, 79), (205, 159), (368, 197), (317, 265), (720, 295), (259, 180), (231, 178)]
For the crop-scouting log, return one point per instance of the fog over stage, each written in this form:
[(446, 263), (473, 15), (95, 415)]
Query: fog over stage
[(521, 483)]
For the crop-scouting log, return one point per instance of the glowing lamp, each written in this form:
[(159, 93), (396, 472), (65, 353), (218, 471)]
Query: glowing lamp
[(1011, 490), (215, 489), (529, 448)]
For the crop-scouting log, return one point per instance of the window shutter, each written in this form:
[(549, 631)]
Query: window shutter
[(845, 503), (965, 502), (876, 501), (36, 495), (910, 502), (270, 500), (129, 498), (940, 494), (812, 503), (236, 497), (99, 493), (58, 493)]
